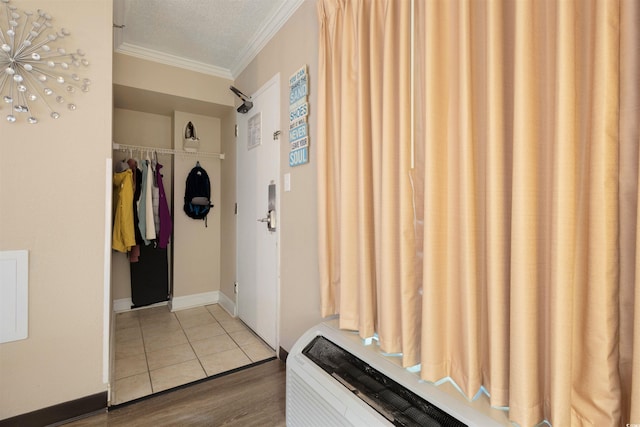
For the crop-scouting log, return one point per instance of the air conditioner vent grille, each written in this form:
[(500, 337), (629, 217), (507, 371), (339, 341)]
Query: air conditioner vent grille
[(308, 408), (396, 403)]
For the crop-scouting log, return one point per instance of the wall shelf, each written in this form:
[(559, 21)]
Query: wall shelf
[(125, 147)]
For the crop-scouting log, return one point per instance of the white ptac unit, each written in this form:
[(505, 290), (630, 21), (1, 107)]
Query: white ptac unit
[(333, 379)]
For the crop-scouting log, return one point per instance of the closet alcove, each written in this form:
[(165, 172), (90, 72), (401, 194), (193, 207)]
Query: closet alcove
[(193, 273), (196, 265)]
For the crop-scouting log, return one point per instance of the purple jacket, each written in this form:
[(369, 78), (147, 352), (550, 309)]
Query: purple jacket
[(166, 226)]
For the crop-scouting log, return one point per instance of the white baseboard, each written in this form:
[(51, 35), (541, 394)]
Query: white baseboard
[(226, 303), (194, 300), (182, 303), (121, 305), (125, 304)]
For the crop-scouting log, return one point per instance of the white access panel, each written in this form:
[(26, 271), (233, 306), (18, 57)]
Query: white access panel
[(14, 295)]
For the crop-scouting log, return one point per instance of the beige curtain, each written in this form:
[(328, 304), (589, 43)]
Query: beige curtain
[(522, 270), (364, 159), (526, 180)]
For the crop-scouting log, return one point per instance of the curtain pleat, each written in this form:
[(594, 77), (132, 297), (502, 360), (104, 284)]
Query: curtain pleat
[(506, 258), (497, 195), (629, 364), (327, 185), (564, 184), (630, 339)]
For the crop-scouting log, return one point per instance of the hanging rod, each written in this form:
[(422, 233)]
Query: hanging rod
[(124, 147)]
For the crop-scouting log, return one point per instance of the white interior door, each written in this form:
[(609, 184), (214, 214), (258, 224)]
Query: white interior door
[(257, 265)]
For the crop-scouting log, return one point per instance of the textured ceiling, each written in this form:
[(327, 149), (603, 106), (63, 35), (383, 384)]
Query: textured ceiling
[(218, 37)]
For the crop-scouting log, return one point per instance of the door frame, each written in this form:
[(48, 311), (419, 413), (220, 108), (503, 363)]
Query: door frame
[(241, 144)]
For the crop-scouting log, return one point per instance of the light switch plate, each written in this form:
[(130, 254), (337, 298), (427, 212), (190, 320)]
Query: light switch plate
[(287, 182)]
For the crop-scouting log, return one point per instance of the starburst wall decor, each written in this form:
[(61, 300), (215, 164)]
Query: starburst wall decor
[(34, 73)]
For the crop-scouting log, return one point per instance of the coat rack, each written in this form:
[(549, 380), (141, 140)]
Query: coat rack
[(124, 147)]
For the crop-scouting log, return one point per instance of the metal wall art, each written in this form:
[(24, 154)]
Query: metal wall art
[(34, 75)]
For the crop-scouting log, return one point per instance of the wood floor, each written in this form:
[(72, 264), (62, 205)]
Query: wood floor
[(252, 397)]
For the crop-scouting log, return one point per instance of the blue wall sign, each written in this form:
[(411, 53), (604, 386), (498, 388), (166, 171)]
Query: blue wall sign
[(298, 112), (299, 156), (298, 132)]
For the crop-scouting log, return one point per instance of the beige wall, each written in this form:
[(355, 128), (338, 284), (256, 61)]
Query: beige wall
[(53, 179), (156, 77), (196, 262), (296, 44)]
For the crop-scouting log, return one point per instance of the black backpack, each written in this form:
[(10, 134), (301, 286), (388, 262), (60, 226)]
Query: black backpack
[(197, 194)]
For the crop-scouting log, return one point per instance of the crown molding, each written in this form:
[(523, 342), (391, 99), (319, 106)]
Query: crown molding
[(264, 35), (255, 45), (173, 60)]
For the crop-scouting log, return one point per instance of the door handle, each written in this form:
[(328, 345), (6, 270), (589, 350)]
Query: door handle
[(270, 219)]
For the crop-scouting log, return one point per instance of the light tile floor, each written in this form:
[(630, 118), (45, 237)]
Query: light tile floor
[(156, 349)]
